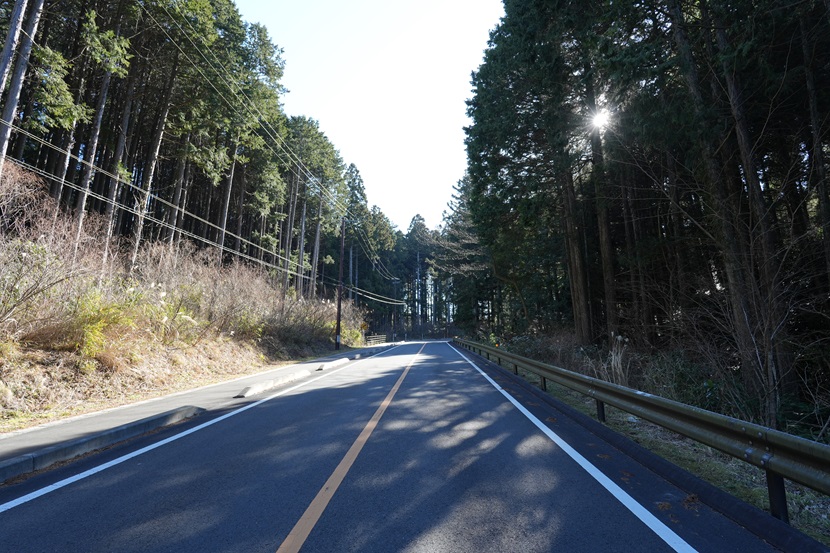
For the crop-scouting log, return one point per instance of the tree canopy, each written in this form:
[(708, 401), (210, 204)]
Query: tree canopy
[(163, 121), (696, 218)]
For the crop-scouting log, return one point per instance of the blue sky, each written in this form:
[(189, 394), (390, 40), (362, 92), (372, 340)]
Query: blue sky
[(387, 81)]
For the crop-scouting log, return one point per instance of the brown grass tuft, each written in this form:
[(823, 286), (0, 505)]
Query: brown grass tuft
[(78, 334)]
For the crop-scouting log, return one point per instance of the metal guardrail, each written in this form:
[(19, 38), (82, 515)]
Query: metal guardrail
[(780, 454), (375, 339)]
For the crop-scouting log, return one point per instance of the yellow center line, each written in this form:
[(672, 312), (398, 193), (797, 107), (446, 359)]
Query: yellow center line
[(299, 534)]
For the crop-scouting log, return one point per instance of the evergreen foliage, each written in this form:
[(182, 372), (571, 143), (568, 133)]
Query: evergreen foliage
[(164, 120), (696, 220), (695, 223)]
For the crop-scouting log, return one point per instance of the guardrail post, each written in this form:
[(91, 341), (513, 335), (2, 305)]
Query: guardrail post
[(544, 384), (797, 459), (777, 496)]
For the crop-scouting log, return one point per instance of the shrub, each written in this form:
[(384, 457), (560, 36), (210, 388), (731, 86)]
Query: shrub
[(57, 293), (29, 271), (94, 319), (20, 199)]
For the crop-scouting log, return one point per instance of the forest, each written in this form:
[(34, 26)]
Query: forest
[(653, 176), (162, 121), (646, 196)]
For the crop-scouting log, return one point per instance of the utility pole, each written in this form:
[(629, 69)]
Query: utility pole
[(418, 294), (351, 270), (340, 283), (394, 310)]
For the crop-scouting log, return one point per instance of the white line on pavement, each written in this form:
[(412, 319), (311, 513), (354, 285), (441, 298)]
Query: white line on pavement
[(663, 532), (95, 470)]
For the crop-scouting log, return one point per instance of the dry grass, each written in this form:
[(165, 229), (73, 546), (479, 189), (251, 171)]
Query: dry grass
[(78, 334), (39, 386)]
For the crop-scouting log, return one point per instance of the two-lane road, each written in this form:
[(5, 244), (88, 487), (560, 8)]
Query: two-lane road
[(416, 449)]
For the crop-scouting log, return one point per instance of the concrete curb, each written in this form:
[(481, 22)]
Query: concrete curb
[(333, 364), (326, 365), (46, 457), (43, 458), (272, 383)]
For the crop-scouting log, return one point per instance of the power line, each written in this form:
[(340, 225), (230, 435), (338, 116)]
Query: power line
[(376, 297), (266, 127), (249, 104), (232, 85), (148, 216)]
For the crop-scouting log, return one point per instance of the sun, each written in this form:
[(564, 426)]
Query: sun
[(600, 119)]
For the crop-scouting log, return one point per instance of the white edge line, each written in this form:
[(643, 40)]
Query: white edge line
[(100, 468), (252, 376), (663, 532)]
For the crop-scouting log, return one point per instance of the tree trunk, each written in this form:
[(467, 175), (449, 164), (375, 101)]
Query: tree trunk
[(21, 65), (117, 158), (261, 250), (69, 146), (602, 199), (739, 282), (152, 158), (73, 158), (635, 311), (677, 237), (774, 368), (301, 254), (15, 23), (289, 229), (89, 160), (179, 226), (312, 283), (20, 140), (577, 275), (817, 167), (172, 218), (226, 202), (127, 193), (120, 146), (240, 218)]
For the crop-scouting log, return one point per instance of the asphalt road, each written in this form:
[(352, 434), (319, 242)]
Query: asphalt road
[(414, 450)]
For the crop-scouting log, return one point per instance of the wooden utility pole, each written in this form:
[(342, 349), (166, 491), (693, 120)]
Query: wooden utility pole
[(340, 282)]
